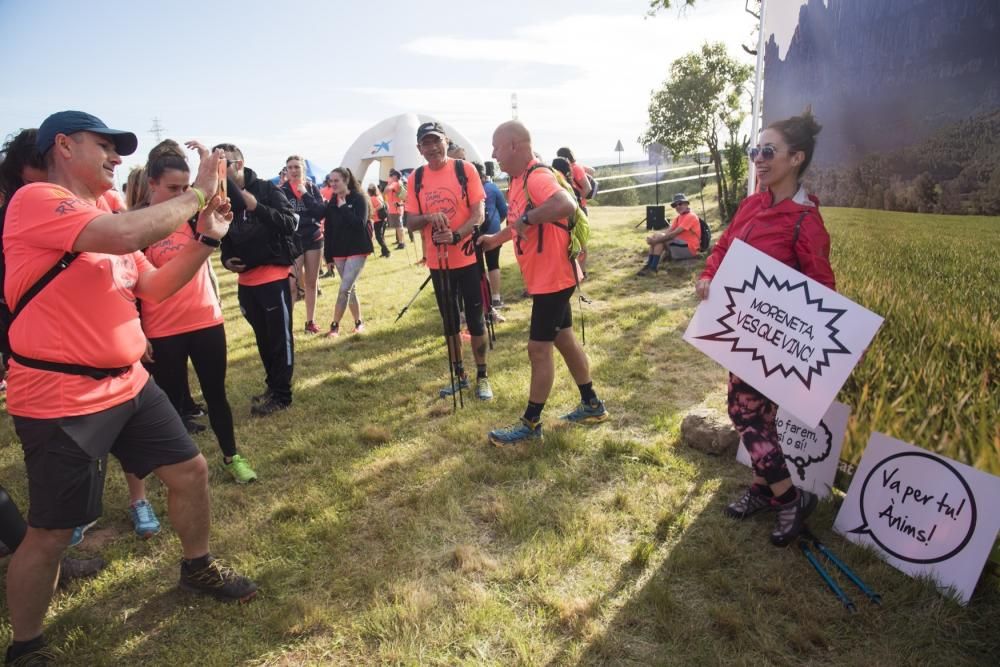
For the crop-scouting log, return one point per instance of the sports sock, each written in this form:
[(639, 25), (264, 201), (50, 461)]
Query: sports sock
[(762, 489), (480, 371), (587, 392), (459, 369), (17, 649), (654, 261), (534, 412), (199, 563)]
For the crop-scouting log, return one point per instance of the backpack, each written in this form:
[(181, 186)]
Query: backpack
[(463, 181), (579, 224), (594, 187), (706, 235)]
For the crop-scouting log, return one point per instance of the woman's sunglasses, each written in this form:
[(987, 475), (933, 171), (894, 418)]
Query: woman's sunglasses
[(767, 152)]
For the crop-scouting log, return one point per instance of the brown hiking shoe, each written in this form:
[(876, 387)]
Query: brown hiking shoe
[(218, 580)]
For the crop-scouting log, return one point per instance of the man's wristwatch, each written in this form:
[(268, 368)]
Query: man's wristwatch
[(208, 240), (524, 219), (455, 238)]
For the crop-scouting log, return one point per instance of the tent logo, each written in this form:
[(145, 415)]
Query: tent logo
[(380, 147)]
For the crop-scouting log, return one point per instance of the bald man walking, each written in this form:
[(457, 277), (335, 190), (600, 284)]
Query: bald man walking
[(535, 200)]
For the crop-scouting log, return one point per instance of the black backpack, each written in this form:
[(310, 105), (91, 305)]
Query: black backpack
[(7, 317), (706, 235)]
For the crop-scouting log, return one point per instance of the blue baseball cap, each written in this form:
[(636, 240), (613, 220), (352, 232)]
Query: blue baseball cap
[(68, 122)]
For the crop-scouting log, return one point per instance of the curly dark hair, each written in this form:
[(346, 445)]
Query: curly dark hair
[(17, 153)]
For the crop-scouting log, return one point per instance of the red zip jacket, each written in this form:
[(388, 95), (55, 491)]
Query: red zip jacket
[(771, 229)]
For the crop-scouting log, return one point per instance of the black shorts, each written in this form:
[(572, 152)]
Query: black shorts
[(465, 283), (310, 237), (493, 259), (550, 314), (67, 457)]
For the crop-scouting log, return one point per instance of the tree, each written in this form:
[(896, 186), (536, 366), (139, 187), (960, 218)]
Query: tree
[(701, 104)]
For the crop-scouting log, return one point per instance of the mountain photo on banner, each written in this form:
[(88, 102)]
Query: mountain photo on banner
[(907, 172)]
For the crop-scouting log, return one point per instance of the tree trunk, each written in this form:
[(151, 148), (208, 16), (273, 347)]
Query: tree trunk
[(720, 183)]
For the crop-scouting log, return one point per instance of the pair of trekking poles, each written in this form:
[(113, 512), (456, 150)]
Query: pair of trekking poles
[(805, 540)]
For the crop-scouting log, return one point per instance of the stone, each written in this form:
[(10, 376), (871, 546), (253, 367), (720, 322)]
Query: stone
[(709, 431)]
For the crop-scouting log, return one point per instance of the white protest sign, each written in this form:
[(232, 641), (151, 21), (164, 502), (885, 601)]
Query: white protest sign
[(789, 337), (929, 515), (810, 453)]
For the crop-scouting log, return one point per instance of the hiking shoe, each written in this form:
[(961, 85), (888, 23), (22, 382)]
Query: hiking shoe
[(791, 518), (359, 327), (39, 656), (311, 327), (334, 330), (498, 304), (400, 246), (385, 252), (483, 390), (593, 412), (269, 407), (78, 532), (497, 317), (193, 427), (646, 271), (751, 502), (218, 580), (240, 470), (523, 431), (261, 398), (463, 383), (79, 568), (144, 519)]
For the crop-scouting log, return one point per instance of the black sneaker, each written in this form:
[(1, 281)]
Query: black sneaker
[(646, 271), (261, 398), (400, 246), (79, 568), (192, 426), (791, 518), (195, 410), (751, 502), (218, 580), (39, 656), (269, 407), (385, 252)]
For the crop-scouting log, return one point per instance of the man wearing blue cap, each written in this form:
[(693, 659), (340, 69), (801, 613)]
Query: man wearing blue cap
[(76, 389)]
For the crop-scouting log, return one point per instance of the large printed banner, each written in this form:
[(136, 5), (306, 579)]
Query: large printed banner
[(788, 336), (928, 515), (812, 454)]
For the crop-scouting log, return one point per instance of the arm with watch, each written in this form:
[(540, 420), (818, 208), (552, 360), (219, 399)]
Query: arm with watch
[(157, 284), (448, 236), (557, 207)]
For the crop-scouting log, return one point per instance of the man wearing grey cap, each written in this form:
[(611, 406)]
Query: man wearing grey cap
[(683, 239), (76, 389)]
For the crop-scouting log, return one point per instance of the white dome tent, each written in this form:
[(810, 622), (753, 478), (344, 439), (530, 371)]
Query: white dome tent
[(393, 143)]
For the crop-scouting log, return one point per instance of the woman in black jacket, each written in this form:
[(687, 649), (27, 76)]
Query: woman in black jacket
[(348, 242), (305, 198)]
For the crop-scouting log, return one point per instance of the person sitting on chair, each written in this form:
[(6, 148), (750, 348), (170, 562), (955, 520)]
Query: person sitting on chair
[(683, 239)]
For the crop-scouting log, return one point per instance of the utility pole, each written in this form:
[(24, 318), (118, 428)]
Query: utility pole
[(157, 130), (513, 106)]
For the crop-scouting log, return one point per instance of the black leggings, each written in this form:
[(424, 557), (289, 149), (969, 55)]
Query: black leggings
[(380, 235), (465, 289), (207, 351)]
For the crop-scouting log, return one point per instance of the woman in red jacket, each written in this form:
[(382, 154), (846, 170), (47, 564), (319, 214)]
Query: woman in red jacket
[(784, 222)]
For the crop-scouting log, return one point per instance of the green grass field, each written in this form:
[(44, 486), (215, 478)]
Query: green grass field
[(384, 529)]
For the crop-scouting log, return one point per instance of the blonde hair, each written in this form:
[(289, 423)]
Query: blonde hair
[(137, 188)]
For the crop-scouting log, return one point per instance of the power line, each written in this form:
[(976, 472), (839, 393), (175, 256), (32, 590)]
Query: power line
[(157, 130)]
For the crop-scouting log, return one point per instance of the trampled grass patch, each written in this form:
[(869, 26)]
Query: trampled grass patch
[(384, 529)]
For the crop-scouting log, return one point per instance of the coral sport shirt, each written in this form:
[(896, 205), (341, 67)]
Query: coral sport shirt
[(86, 316)]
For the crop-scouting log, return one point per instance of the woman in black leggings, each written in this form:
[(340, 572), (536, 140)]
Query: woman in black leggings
[(189, 324)]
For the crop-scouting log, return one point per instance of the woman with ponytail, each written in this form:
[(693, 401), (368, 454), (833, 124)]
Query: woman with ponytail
[(348, 243), (783, 221)]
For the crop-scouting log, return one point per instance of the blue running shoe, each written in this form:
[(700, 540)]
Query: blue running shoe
[(459, 386), (78, 533), (593, 412), (144, 519), (523, 431)]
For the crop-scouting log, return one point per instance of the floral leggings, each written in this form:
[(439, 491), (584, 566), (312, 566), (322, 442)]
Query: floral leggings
[(753, 416)]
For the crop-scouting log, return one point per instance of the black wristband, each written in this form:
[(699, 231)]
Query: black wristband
[(455, 238), (208, 240)]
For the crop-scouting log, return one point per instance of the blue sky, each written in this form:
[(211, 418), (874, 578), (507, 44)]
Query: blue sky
[(308, 77)]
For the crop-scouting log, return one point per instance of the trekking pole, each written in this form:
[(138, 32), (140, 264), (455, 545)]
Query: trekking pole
[(847, 572), (485, 288), (831, 584), (447, 298), (410, 302)]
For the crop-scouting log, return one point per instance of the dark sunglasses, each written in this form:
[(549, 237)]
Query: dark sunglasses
[(230, 163)]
